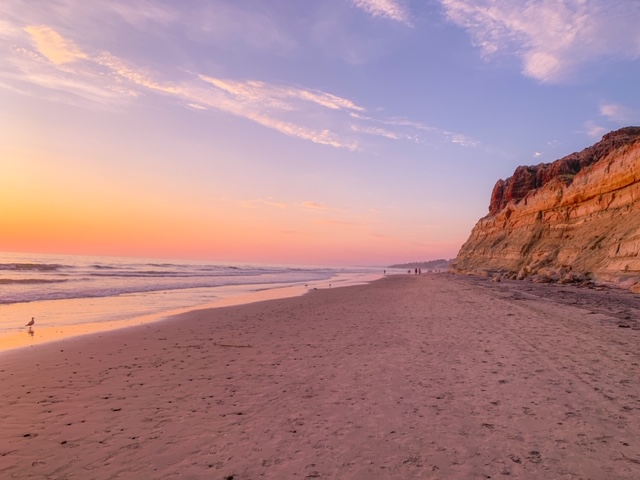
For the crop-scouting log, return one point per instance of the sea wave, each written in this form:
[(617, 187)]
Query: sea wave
[(185, 272), (86, 288), (42, 267), (42, 278), (27, 281)]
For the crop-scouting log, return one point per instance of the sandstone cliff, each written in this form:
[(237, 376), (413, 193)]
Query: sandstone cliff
[(575, 219)]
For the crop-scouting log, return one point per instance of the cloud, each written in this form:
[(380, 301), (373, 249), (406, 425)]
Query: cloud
[(42, 61), (269, 202), (391, 9), (325, 99), (382, 132), (103, 78), (257, 92), (594, 130), (316, 206), (306, 205), (553, 39), (342, 223), (77, 82), (53, 46), (616, 113), (419, 128), (323, 137), (406, 129), (536, 154), (134, 75)]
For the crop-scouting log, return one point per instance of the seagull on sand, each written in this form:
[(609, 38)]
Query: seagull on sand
[(31, 323)]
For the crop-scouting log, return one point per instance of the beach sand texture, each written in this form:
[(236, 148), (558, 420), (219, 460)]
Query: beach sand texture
[(410, 377)]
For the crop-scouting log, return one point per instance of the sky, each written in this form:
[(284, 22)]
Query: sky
[(340, 132)]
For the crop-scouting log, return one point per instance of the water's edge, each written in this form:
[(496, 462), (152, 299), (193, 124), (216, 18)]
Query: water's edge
[(21, 337)]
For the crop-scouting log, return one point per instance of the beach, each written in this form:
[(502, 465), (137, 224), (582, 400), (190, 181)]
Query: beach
[(413, 377)]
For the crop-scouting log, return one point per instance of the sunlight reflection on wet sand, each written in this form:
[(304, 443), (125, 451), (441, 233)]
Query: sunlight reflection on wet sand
[(70, 316)]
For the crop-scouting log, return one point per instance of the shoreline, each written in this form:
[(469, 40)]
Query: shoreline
[(432, 376), (226, 296)]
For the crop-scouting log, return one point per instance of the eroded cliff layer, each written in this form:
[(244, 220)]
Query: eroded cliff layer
[(574, 219)]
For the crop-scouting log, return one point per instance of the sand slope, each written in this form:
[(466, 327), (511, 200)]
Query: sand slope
[(430, 377)]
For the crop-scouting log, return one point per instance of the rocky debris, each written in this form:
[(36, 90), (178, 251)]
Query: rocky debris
[(559, 275)]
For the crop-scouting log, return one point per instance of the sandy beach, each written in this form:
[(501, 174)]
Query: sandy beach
[(409, 377)]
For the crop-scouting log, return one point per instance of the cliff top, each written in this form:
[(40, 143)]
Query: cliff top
[(528, 178)]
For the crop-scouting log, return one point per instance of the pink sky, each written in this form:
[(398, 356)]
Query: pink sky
[(338, 132)]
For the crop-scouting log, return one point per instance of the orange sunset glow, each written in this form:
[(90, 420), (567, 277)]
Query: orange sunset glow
[(230, 133)]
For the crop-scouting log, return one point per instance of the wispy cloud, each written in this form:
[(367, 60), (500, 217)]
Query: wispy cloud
[(304, 205), (60, 65), (453, 137), (391, 9), (134, 75), (264, 202), (616, 113), (53, 46), (309, 205), (57, 65), (403, 128), (594, 130), (370, 130), (341, 223), (552, 38), (279, 97)]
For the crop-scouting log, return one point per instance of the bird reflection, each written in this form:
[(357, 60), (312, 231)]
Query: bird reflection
[(30, 325)]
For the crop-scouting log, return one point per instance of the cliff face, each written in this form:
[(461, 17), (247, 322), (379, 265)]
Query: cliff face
[(574, 219)]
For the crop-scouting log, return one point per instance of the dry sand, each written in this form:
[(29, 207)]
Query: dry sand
[(428, 377)]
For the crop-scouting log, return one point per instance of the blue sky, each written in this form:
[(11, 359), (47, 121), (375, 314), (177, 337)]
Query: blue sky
[(342, 131)]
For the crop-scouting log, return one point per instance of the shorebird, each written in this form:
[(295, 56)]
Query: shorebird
[(30, 324)]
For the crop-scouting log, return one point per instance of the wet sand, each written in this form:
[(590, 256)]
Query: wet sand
[(412, 377)]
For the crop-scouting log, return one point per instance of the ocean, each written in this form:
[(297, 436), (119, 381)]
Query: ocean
[(74, 295)]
